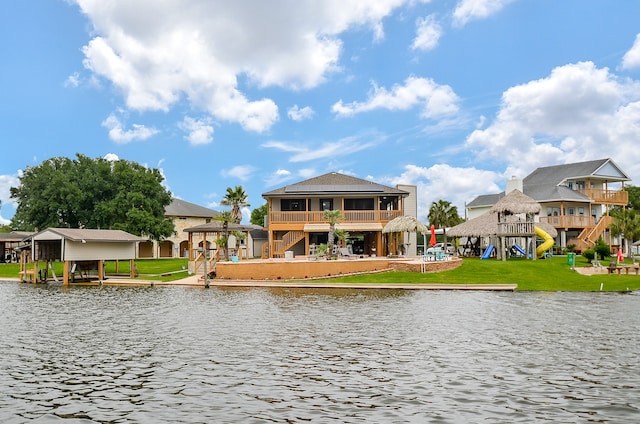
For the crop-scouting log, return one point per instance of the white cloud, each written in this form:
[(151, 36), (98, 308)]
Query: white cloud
[(579, 112), (6, 182), (343, 147), (278, 178), (428, 32), (468, 10), (199, 130), (445, 182), (436, 100), (72, 80), (118, 134), (158, 53), (241, 172), (111, 157), (631, 59), (298, 114)]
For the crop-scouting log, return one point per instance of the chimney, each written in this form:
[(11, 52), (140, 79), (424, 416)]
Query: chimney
[(513, 184)]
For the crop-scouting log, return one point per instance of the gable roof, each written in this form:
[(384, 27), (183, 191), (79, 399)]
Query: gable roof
[(545, 184), (557, 174), (86, 235), (334, 183), (179, 207)]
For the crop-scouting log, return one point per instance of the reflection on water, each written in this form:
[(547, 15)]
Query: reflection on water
[(175, 354)]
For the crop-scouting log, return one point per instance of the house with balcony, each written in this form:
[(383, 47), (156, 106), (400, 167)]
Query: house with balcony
[(295, 220), (575, 198)]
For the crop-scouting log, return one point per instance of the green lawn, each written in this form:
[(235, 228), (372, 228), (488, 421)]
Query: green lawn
[(543, 275), (148, 269)]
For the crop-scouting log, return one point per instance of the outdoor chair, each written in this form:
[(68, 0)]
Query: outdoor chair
[(344, 252)]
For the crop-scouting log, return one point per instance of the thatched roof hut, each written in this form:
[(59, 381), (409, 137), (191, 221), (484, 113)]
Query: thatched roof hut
[(516, 202), (405, 223), (487, 225)]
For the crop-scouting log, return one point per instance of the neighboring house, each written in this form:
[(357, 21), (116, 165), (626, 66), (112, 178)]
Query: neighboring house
[(184, 215), (575, 199), (295, 220)]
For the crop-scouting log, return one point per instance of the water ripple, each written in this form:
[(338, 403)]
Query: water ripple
[(172, 354)]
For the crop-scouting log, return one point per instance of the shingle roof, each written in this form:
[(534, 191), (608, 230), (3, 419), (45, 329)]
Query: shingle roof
[(179, 207), (334, 183), (558, 173), (485, 200)]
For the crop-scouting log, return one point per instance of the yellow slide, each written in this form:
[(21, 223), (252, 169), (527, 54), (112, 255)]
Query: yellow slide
[(546, 244)]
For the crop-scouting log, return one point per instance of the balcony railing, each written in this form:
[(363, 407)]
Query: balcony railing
[(514, 228), (609, 197), (317, 217), (569, 221)]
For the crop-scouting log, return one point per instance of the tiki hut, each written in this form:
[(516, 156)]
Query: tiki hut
[(511, 218), (401, 224)]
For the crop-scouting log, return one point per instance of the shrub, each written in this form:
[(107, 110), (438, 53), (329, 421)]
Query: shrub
[(589, 254), (602, 249)]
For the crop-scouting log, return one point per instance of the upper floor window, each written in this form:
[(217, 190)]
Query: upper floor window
[(326, 204), (292, 205), (359, 204)]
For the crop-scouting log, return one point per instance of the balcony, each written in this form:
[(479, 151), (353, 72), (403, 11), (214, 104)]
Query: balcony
[(317, 217), (606, 197), (569, 221)]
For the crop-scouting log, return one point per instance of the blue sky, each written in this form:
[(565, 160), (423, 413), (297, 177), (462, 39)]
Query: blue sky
[(454, 96)]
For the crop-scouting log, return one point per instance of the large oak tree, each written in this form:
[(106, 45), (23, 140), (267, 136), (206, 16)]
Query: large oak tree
[(92, 193)]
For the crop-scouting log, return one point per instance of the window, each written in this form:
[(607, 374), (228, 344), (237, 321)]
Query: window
[(326, 204), (358, 204), (292, 205), (581, 211), (572, 211)]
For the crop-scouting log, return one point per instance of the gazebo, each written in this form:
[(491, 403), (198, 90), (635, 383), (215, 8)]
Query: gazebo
[(211, 232)]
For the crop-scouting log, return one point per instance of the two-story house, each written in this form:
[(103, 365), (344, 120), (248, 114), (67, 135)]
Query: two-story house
[(295, 214), (184, 215), (575, 198)]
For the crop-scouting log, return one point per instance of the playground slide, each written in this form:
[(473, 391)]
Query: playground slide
[(546, 244), (519, 249), (487, 252)]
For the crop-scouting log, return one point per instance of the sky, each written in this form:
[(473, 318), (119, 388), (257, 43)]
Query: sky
[(453, 96)]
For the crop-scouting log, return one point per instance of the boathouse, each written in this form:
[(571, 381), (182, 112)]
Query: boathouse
[(79, 249)]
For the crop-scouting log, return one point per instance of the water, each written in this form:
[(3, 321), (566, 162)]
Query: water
[(176, 354)]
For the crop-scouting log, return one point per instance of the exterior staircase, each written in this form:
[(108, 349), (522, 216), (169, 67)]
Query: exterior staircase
[(288, 240), (589, 236)]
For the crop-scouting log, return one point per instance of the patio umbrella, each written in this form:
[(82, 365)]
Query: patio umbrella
[(433, 241)]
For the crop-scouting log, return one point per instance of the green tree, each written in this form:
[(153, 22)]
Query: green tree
[(626, 223), (225, 217), (634, 197), (237, 199), (332, 217), (258, 214), (443, 214), (92, 193)]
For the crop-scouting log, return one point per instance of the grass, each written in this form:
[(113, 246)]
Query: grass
[(552, 274), (148, 269)]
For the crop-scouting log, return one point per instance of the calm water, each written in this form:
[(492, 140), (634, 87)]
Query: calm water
[(104, 354)]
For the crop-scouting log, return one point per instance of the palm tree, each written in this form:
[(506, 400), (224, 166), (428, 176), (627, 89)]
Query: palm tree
[(332, 217), (443, 214), (626, 222), (237, 199), (224, 217)]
